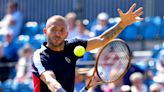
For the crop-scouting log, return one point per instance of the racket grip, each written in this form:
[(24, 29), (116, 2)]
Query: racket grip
[(83, 89)]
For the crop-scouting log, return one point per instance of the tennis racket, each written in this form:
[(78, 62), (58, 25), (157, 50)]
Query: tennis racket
[(112, 63)]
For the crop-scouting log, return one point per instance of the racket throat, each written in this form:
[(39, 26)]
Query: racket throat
[(86, 88)]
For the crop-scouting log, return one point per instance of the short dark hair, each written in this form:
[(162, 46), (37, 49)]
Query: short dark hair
[(12, 2)]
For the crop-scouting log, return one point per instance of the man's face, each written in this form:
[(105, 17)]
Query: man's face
[(11, 8), (56, 33)]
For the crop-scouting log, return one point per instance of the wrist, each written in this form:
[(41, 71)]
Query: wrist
[(55, 83), (54, 86), (61, 90), (122, 25)]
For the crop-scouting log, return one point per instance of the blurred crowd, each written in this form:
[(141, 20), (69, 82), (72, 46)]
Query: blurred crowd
[(18, 40)]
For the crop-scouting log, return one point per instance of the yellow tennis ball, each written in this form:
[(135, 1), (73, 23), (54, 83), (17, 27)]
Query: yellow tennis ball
[(79, 51)]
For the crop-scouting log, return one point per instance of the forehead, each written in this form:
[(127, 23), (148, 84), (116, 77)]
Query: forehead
[(56, 22)]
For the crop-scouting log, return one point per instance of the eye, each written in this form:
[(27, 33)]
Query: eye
[(53, 29), (62, 30)]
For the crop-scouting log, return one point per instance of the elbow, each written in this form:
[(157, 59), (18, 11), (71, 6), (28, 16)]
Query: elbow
[(104, 40)]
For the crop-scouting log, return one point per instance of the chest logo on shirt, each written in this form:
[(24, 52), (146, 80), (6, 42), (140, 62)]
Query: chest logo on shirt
[(67, 59)]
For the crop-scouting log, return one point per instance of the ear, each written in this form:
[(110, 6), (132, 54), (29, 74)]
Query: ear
[(45, 31)]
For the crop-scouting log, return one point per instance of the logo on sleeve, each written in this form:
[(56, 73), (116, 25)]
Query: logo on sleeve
[(67, 59)]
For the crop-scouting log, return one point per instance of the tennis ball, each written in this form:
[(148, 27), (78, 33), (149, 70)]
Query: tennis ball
[(79, 51)]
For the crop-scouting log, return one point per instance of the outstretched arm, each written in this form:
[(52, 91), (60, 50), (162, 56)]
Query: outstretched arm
[(126, 19), (48, 77)]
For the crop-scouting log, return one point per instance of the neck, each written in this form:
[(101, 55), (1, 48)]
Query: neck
[(55, 48)]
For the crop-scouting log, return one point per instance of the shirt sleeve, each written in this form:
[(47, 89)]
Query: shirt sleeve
[(40, 62), (81, 42)]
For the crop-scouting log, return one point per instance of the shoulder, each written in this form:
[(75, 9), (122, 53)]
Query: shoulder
[(17, 15), (72, 43), (76, 41), (39, 52)]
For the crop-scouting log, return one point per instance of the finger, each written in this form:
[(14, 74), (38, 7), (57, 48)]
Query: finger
[(138, 10), (139, 19), (120, 12), (139, 14), (132, 7)]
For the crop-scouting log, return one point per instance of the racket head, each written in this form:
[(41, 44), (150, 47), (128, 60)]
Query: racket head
[(113, 61)]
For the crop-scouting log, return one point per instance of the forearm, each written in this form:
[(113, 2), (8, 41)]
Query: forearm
[(105, 37), (112, 32), (48, 77)]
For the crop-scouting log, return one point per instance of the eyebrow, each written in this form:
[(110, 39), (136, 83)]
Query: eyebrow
[(62, 28)]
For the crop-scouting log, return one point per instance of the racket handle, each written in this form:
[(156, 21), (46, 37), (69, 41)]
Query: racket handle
[(83, 90)]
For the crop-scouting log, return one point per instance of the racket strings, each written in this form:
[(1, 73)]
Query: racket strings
[(125, 57), (122, 48), (119, 56), (123, 52), (109, 68), (118, 48)]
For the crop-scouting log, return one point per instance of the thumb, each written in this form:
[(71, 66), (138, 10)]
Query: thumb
[(120, 12), (139, 19)]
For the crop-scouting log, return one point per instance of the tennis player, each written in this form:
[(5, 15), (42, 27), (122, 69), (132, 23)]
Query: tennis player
[(54, 63)]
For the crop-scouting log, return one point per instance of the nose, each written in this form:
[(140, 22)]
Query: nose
[(58, 33)]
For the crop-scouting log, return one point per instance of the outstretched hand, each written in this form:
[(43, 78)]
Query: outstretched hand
[(130, 17)]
